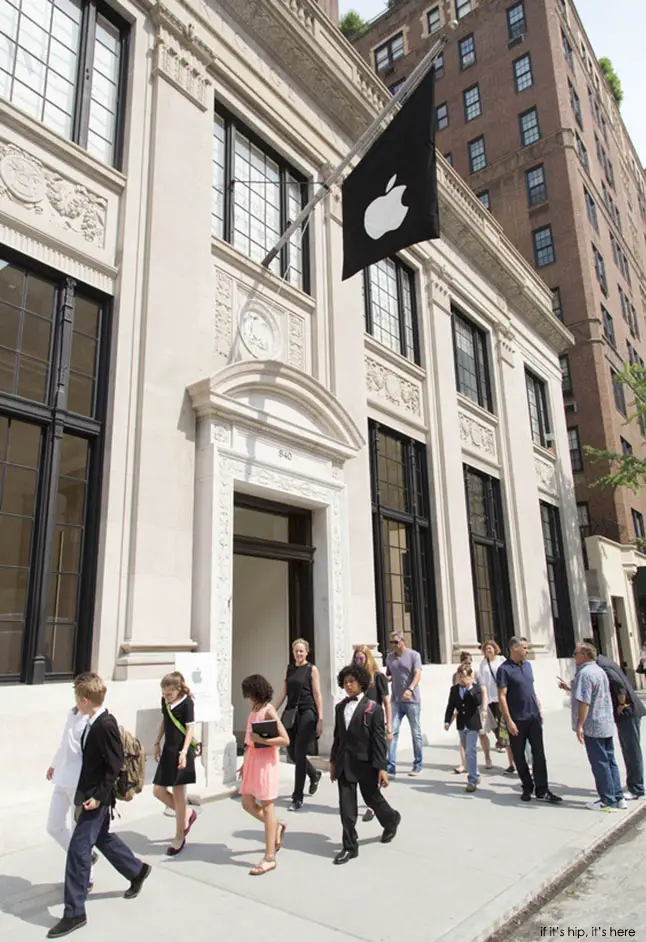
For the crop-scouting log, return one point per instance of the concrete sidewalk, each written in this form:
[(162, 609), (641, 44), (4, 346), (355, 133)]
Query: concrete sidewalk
[(460, 866)]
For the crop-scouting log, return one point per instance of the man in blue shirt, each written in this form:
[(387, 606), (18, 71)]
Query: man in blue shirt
[(522, 712)]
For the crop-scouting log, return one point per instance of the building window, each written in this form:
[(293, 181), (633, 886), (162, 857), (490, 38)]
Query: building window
[(576, 104), (53, 382), (591, 209), (516, 21), (390, 307), (583, 513), (567, 51), (489, 569), (439, 66), (467, 47), (442, 116), (523, 73), (477, 154), (582, 152), (449, 158), (608, 326), (536, 185), (472, 105), (626, 447), (64, 64), (483, 196), (471, 361), (394, 88), (434, 20), (387, 54), (401, 528), (538, 413), (462, 7), (529, 129), (557, 580), (576, 457), (600, 269), (557, 307), (254, 197), (543, 246), (638, 525), (618, 390), (566, 376)]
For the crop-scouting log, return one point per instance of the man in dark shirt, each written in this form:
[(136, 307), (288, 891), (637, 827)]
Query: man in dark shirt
[(628, 711), (522, 711)]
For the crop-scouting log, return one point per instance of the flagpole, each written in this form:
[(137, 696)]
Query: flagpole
[(361, 145)]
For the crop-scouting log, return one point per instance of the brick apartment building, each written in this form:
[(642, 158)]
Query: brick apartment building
[(525, 116)]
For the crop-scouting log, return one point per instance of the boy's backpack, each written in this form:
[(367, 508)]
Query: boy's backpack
[(130, 780)]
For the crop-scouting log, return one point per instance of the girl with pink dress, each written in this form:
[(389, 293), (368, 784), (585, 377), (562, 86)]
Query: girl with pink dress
[(260, 769)]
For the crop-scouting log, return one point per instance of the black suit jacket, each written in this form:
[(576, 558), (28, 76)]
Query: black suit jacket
[(619, 683), (102, 761), (468, 710), (359, 751)]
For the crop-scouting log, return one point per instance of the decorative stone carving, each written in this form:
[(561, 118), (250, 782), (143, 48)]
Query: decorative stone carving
[(392, 387), (68, 205), (259, 331), (223, 312), (296, 353), (506, 344), (474, 434), (546, 475), (180, 57), (221, 435)]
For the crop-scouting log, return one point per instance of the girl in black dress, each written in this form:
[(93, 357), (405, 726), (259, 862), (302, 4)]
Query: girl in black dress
[(176, 767), (377, 691)]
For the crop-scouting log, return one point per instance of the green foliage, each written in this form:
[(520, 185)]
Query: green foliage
[(351, 25), (625, 470), (612, 79)]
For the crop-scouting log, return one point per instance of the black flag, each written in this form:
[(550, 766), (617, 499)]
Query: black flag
[(390, 198)]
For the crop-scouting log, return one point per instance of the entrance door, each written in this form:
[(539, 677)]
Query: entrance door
[(272, 593)]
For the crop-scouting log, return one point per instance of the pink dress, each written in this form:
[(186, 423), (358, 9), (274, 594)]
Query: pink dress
[(261, 773)]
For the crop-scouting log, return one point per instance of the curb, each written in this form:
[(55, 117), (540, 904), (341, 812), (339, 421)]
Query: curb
[(548, 881)]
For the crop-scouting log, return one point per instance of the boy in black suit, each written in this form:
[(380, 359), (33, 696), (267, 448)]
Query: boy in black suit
[(94, 800), (358, 757), (465, 702)]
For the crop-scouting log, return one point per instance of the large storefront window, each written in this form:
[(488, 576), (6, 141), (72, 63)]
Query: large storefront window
[(488, 557), (403, 563), (52, 362), (557, 581)]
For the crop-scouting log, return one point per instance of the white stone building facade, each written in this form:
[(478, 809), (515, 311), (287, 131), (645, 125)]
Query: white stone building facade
[(231, 457)]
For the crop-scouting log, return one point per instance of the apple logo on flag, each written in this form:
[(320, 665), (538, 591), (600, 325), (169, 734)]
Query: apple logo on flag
[(386, 212), (196, 676)]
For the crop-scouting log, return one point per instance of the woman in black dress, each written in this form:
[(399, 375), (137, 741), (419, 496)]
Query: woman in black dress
[(176, 767), (302, 718), (377, 691)]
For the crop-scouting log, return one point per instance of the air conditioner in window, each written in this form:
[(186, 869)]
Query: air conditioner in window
[(516, 41), (571, 407)]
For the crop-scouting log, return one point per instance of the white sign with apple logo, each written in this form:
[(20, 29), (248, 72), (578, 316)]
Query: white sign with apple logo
[(200, 672), (386, 213)]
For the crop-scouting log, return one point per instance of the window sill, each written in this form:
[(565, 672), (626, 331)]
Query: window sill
[(221, 249), (538, 207), (478, 411), (395, 359), (547, 454)]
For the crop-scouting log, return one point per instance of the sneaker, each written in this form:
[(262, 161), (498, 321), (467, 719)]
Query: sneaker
[(599, 806), (550, 798), (314, 783), (631, 796), (66, 925), (622, 804), (414, 773), (510, 770), (368, 815), (295, 805), (135, 887), (471, 788)]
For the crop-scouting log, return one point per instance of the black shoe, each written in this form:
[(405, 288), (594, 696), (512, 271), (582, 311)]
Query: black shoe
[(389, 833), (526, 796), (314, 783), (296, 805), (135, 887), (66, 925), (345, 856), (550, 798), (368, 815), (95, 857)]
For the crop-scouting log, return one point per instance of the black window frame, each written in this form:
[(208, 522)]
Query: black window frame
[(438, 119), (638, 524), (402, 271), (439, 66), (55, 420), (600, 269), (483, 156), (558, 585), (460, 12), (575, 101), (485, 199), (536, 192), (513, 31), (576, 455), (539, 417), (435, 9), (536, 233), (493, 544), (618, 394), (591, 210), (626, 447), (416, 517), (582, 151), (467, 106), (530, 71), (566, 375), (482, 393), (233, 126), (568, 51), (557, 303), (471, 53), (90, 11), (608, 326), (390, 62), (524, 131)]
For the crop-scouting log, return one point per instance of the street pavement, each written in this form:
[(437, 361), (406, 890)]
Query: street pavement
[(460, 867), (607, 901)]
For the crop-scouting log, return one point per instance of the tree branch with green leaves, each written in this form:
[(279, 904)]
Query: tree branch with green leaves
[(625, 470)]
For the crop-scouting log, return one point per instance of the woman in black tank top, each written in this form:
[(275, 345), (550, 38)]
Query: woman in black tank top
[(303, 718)]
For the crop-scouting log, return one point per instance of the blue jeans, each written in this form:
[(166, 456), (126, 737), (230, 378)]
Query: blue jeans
[(469, 740), (629, 740), (601, 753), (411, 711)]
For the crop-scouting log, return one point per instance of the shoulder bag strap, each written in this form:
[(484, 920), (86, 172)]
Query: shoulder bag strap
[(179, 725)]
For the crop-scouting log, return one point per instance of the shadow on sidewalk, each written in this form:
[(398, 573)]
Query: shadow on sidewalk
[(30, 902)]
